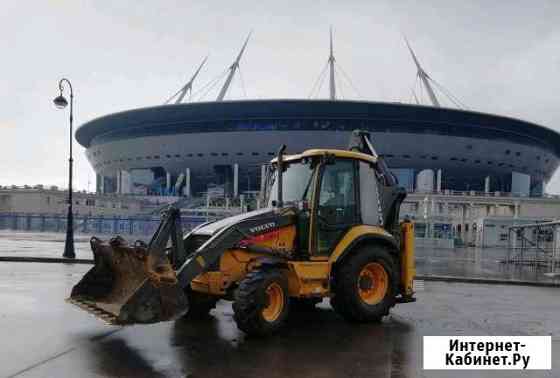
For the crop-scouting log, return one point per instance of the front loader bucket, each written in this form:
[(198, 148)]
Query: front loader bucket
[(129, 285)]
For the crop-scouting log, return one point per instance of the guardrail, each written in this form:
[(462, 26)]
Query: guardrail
[(473, 193)]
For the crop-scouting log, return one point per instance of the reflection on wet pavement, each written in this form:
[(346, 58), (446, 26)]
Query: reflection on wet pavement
[(476, 263), (461, 262), (314, 344)]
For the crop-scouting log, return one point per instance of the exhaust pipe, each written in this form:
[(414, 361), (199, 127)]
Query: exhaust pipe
[(280, 168)]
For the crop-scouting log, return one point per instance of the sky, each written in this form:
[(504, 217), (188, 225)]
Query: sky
[(496, 56)]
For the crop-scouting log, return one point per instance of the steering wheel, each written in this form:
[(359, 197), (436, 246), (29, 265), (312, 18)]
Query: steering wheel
[(326, 222)]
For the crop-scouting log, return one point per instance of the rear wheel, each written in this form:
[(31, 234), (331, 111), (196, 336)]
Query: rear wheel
[(366, 284), (200, 304), (261, 302)]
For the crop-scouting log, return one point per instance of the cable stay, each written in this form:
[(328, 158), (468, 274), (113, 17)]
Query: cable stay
[(449, 95), (242, 82), (348, 80), (336, 80), (415, 97), (426, 84), (206, 88), (180, 94), (318, 80), (321, 83)]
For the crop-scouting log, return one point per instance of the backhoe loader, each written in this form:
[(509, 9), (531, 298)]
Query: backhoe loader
[(330, 229)]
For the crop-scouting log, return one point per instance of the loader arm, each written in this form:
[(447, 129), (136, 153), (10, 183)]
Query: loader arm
[(230, 237), (135, 283), (146, 283), (169, 227), (208, 254)]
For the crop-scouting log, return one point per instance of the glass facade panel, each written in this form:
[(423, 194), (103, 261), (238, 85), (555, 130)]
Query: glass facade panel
[(369, 196)]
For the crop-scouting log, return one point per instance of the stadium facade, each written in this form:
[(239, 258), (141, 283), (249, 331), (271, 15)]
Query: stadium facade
[(222, 146), (189, 148)]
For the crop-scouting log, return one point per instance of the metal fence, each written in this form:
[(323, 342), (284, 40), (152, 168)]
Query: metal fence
[(537, 245), (140, 226)]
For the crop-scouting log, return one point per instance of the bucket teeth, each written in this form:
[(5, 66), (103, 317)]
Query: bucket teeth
[(91, 308), (129, 285)]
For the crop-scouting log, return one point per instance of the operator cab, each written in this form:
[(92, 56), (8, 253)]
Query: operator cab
[(334, 190)]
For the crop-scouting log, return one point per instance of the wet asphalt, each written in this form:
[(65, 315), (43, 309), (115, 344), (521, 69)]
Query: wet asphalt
[(42, 336), (458, 262)]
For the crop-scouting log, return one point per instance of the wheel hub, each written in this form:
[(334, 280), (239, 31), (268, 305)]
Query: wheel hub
[(373, 283), (366, 282), (274, 302)]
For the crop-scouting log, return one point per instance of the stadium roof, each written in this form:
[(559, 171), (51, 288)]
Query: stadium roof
[(249, 115)]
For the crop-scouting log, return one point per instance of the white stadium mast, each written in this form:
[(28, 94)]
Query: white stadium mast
[(180, 94), (334, 72), (332, 84), (234, 67), (424, 77)]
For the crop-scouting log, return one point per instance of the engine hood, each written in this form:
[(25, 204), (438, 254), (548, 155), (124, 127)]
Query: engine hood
[(213, 227)]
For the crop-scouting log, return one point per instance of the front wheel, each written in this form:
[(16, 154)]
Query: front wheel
[(366, 284), (261, 302)]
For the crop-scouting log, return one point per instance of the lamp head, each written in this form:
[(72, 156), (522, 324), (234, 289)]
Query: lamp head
[(60, 101)]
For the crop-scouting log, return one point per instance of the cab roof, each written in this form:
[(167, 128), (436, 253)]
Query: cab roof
[(322, 151)]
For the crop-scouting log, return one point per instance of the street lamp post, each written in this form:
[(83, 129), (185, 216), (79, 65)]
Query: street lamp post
[(61, 102)]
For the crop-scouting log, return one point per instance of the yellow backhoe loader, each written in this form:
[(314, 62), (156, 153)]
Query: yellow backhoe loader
[(330, 229)]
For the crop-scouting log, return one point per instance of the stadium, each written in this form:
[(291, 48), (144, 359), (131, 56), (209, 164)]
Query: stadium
[(221, 146)]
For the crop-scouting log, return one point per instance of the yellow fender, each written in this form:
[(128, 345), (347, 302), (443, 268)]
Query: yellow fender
[(359, 234), (363, 233)]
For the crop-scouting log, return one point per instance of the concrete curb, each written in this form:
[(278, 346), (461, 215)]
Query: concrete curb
[(491, 281), (45, 260)]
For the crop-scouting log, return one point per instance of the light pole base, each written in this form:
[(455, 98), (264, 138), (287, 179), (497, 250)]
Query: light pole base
[(69, 252), (69, 249)]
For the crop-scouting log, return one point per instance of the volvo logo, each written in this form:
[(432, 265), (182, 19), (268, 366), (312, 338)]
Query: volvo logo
[(262, 227)]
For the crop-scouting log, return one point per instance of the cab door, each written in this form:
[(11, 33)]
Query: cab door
[(336, 207)]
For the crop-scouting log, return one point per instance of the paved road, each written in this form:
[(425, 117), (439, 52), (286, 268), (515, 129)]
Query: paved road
[(41, 244), (44, 337)]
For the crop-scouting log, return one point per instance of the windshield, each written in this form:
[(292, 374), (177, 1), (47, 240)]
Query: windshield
[(296, 182)]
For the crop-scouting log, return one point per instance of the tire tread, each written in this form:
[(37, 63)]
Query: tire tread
[(247, 305)]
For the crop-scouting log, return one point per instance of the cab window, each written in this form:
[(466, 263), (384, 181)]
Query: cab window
[(336, 209)]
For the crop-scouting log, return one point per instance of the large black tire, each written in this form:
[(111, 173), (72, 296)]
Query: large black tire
[(258, 293), (349, 282), (200, 304)]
